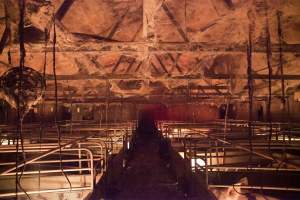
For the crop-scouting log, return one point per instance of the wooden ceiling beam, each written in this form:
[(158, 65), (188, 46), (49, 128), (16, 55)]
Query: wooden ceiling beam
[(181, 77), (63, 9), (135, 47)]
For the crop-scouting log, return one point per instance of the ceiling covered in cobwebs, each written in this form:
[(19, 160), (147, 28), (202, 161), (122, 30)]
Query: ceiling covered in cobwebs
[(155, 49)]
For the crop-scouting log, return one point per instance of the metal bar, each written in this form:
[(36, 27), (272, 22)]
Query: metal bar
[(293, 165), (136, 33), (280, 39), (117, 64), (174, 21), (256, 187), (63, 9), (97, 64), (154, 67), (269, 60), (91, 169), (175, 62), (261, 147), (130, 65), (6, 35), (85, 36), (79, 157), (97, 143), (138, 66), (161, 63), (130, 48), (117, 24), (4, 38), (250, 88), (45, 191), (27, 148), (34, 150), (224, 76), (42, 155), (252, 168), (217, 152), (206, 169), (51, 161), (49, 171)]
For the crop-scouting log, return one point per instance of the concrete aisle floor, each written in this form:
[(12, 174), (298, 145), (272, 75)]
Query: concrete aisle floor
[(146, 176)]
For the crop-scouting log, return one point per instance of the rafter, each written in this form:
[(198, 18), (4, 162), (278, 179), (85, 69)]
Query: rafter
[(175, 62), (117, 63), (130, 65), (63, 9), (131, 47), (181, 77), (174, 21), (138, 66), (117, 24), (161, 63), (155, 68), (4, 39), (146, 99)]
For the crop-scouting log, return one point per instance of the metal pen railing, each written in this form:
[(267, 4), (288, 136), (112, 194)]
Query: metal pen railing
[(94, 153), (89, 154), (210, 147), (90, 160)]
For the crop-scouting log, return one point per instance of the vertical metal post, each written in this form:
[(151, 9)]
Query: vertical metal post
[(195, 154), (111, 145), (122, 112), (210, 153), (184, 147), (79, 157), (217, 153), (206, 169), (106, 113), (100, 120), (289, 119), (92, 170), (105, 157)]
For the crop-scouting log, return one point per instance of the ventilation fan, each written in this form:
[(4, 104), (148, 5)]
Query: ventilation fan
[(26, 88)]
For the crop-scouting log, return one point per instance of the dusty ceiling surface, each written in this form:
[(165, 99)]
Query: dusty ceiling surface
[(154, 49)]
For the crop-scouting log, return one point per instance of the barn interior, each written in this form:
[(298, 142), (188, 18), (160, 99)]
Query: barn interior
[(149, 99)]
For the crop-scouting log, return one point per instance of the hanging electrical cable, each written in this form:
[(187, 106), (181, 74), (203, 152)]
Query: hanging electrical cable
[(46, 37), (289, 120), (269, 60), (71, 107), (250, 89), (7, 26), (280, 39), (56, 101), (20, 100), (283, 101), (42, 125), (228, 99)]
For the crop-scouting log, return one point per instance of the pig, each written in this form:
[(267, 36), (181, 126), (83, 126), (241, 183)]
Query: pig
[(236, 193)]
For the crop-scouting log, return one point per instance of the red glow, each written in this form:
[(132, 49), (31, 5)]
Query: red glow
[(180, 112)]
